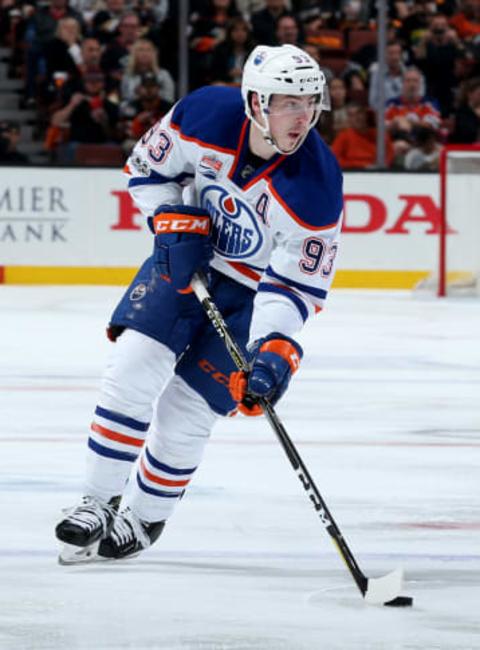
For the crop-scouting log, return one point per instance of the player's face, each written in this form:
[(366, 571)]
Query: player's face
[(290, 118)]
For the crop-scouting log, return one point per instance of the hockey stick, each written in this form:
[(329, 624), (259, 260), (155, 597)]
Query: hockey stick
[(384, 590)]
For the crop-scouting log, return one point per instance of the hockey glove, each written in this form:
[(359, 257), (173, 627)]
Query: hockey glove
[(275, 358), (182, 242)]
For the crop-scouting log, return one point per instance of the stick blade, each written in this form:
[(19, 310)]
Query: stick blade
[(381, 590)]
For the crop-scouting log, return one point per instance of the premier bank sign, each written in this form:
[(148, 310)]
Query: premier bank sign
[(33, 213)]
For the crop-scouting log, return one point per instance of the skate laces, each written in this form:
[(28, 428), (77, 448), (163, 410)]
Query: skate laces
[(91, 513), (128, 528)]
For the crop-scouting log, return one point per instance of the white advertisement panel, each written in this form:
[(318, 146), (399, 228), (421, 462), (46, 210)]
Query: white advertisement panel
[(85, 217)]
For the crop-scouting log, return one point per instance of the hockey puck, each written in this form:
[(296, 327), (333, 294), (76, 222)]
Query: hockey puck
[(400, 601)]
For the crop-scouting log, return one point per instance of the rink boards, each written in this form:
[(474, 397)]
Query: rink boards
[(78, 226)]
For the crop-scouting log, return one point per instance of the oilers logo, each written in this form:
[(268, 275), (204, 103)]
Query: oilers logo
[(235, 232)]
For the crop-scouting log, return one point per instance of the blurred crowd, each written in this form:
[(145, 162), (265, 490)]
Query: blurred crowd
[(101, 72)]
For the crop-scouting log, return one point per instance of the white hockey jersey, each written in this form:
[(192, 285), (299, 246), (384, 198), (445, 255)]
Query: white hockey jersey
[(275, 230)]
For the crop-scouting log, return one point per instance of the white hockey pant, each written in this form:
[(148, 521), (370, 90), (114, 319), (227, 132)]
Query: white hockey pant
[(150, 429)]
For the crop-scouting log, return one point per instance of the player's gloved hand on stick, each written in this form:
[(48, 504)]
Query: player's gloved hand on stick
[(275, 358), (182, 242)]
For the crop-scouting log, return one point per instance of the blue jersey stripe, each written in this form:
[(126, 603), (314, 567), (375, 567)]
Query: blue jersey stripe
[(110, 453), (122, 419), (166, 468), (157, 493), (298, 302), (158, 179), (313, 291)]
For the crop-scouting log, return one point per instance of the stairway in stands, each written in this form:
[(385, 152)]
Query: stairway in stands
[(10, 95)]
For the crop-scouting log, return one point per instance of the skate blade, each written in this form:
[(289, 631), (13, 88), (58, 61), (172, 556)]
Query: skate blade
[(79, 555)]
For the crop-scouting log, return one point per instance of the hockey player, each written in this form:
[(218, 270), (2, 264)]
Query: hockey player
[(239, 185)]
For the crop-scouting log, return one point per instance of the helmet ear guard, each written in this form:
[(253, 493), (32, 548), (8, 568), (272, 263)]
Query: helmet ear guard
[(285, 70)]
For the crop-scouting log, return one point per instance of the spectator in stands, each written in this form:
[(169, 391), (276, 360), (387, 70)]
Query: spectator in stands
[(41, 29), (148, 12), (68, 84), (91, 54), (354, 15), (9, 138), (92, 117), (335, 120), (467, 21), (229, 56), (356, 84), (467, 116), (314, 33), (145, 110), (143, 58), (393, 77), (114, 58), (425, 155), (264, 22), (287, 31), (356, 146), (436, 54), (415, 25), (105, 22), (409, 111), (63, 53), (45, 20), (209, 28)]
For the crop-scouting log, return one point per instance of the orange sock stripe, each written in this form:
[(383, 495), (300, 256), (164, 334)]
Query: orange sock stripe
[(285, 350), (114, 435), (161, 481)]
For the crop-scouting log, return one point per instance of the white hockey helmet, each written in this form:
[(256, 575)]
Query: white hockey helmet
[(283, 70)]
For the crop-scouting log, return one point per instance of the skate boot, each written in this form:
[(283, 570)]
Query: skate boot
[(128, 536), (83, 528)]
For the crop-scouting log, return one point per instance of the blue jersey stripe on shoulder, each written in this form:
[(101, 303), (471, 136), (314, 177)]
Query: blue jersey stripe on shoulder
[(313, 291), (298, 302), (212, 115)]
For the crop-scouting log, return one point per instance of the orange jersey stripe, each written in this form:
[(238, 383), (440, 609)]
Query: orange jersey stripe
[(239, 149), (161, 481), (245, 270), (114, 435)]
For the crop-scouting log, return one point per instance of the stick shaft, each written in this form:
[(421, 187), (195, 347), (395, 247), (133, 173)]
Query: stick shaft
[(293, 455)]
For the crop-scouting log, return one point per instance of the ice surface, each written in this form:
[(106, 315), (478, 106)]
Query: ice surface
[(386, 413)]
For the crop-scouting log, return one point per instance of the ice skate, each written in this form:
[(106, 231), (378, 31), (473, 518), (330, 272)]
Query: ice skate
[(83, 528), (128, 536)]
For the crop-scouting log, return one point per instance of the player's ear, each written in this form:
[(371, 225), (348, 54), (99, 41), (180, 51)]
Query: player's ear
[(254, 103)]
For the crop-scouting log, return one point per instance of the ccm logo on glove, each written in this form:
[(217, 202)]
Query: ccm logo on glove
[(171, 223), (182, 242), (275, 359)]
